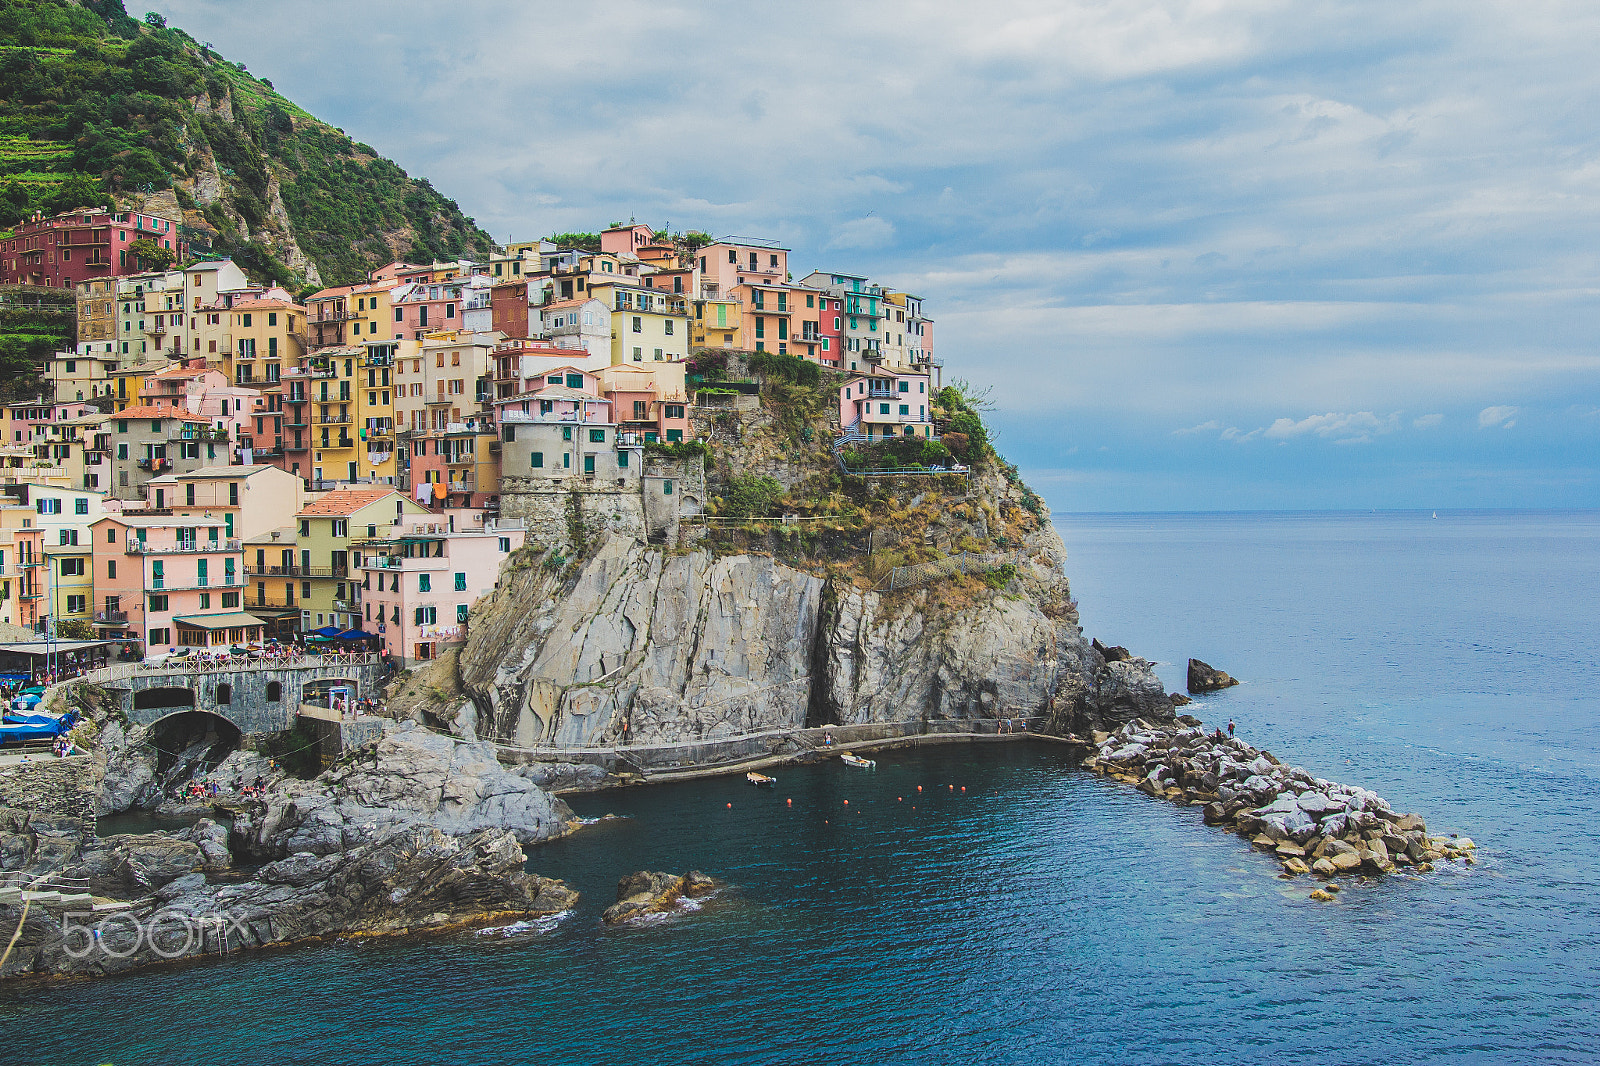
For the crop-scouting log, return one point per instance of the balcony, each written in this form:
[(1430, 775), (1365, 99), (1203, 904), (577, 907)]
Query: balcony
[(460, 486), (111, 618), (218, 435), (295, 571), (333, 420), (139, 547), (344, 605), (325, 314), (156, 465)]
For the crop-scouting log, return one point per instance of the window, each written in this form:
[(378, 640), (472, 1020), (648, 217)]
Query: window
[(669, 327), (274, 692), (666, 488), (427, 616), (224, 693), (111, 568), (505, 544), (905, 386), (230, 599), (424, 582), (461, 612), (111, 535), (162, 635), (77, 604), (341, 527), (566, 460), (597, 436), (72, 568), (566, 432), (81, 505), (158, 603), (574, 381), (905, 409), (588, 463), (674, 410), (49, 506), (246, 320), (461, 582), (622, 460), (883, 408), (205, 601), (536, 460), (638, 324)]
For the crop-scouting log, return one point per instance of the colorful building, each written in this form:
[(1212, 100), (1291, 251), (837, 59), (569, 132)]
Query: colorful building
[(887, 404), (329, 577), (81, 245), (421, 576), (170, 582)]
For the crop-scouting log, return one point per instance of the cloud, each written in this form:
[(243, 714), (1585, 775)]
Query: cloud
[(870, 232), (1357, 428), (1502, 417), (1120, 210)]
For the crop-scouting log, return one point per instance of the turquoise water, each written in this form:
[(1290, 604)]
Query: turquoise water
[(1045, 915)]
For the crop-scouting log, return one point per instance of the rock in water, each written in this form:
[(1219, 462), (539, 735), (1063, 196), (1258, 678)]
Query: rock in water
[(1205, 678), (648, 892)]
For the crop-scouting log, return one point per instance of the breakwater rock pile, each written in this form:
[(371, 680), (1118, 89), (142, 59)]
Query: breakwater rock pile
[(412, 833), (1313, 826)]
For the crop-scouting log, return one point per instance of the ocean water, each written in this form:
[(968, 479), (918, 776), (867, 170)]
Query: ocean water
[(1016, 910)]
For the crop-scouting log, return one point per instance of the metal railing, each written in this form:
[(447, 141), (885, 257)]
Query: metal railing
[(139, 547)]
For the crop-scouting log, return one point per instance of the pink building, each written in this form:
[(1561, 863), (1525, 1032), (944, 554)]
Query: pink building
[(887, 404), (83, 245), (28, 420), (171, 582), (735, 261), (420, 581)]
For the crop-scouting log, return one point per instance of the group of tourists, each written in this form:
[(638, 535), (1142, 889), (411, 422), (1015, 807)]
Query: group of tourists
[(204, 788)]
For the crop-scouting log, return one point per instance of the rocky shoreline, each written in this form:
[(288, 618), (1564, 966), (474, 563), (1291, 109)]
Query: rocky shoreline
[(415, 832), (1313, 826)]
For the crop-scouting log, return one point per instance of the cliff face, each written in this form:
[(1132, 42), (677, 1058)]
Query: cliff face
[(686, 646)]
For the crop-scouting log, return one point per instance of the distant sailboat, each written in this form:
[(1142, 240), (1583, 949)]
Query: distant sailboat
[(1436, 514)]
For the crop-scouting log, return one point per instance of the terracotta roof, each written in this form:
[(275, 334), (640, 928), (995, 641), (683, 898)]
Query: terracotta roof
[(343, 502), (183, 372), (160, 412), (569, 303)]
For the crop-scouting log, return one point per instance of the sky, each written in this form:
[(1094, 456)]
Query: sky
[(1205, 255)]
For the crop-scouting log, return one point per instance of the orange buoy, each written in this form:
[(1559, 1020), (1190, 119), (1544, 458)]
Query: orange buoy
[(952, 788), (847, 803), (963, 788), (791, 803), (899, 799), (919, 788), (730, 806)]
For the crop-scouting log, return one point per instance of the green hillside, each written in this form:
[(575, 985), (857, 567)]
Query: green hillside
[(95, 104)]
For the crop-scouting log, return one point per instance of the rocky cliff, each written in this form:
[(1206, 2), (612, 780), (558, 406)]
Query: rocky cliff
[(646, 645)]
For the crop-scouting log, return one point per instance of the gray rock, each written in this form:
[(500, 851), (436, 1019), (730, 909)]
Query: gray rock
[(1205, 678)]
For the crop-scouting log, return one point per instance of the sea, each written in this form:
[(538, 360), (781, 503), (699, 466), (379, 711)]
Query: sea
[(994, 904)]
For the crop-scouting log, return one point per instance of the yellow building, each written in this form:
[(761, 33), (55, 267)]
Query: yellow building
[(252, 341), (646, 326), (79, 376), (349, 314), (350, 412), (718, 323), (328, 569)]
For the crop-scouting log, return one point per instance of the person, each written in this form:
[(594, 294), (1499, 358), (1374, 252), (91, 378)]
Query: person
[(827, 739), (1230, 727)]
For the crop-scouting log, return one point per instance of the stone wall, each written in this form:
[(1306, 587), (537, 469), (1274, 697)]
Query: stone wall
[(248, 706), (59, 788), (555, 508)]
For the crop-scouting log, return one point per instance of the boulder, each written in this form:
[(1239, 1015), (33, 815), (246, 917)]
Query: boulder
[(649, 892), (1324, 868), (1320, 896), (1294, 867), (1113, 654), (1214, 814), (1345, 861), (1205, 678), (1409, 822)]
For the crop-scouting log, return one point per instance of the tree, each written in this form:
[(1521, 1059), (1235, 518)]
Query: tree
[(74, 629), (155, 20), (153, 255)]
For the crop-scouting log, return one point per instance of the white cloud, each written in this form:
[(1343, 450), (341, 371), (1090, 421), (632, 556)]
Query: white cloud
[(1427, 421), (1211, 426), (1356, 428), (872, 232), (1502, 417)]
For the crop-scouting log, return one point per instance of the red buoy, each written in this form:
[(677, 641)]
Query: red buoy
[(730, 806)]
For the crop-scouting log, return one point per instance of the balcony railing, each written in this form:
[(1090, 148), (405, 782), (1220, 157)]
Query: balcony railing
[(114, 618), (296, 571), (139, 547), (333, 420), (200, 434)]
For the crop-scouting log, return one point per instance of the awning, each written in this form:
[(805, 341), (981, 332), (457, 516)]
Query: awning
[(219, 621), (331, 632), (56, 647), (356, 634)]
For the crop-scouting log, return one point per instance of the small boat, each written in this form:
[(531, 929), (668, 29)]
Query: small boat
[(858, 762), (760, 780)]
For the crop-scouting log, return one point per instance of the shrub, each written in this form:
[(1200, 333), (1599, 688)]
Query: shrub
[(1000, 576), (784, 367), (751, 496)]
